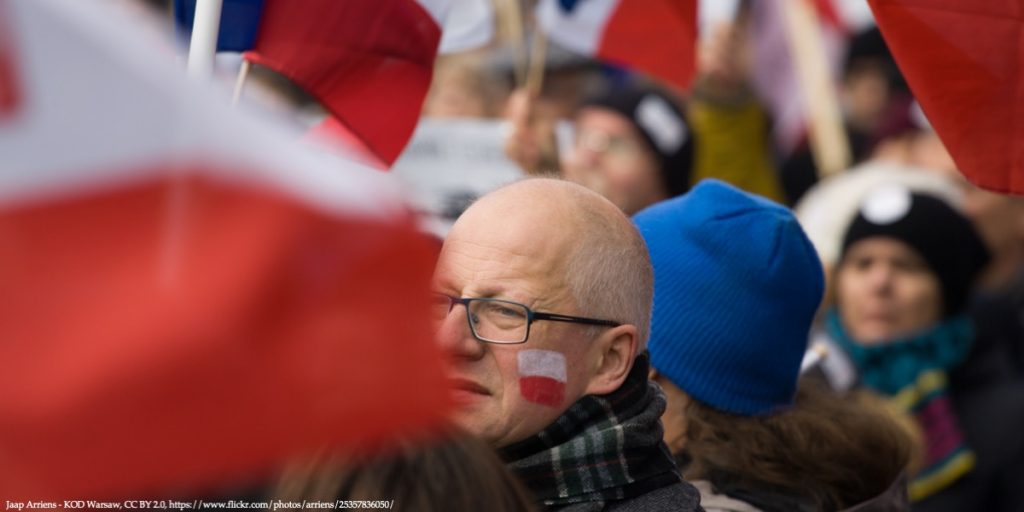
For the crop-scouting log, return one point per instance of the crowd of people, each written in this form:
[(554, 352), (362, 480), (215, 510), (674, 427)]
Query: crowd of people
[(644, 323), (671, 312), (721, 352)]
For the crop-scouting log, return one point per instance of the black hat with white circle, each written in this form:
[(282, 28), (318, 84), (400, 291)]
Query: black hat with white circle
[(942, 236), (662, 125)]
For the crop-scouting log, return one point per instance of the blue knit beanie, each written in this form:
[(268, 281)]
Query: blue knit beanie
[(736, 286)]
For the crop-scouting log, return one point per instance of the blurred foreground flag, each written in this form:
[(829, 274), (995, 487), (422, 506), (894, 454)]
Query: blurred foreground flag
[(187, 298), (657, 37), (962, 62), (369, 62)]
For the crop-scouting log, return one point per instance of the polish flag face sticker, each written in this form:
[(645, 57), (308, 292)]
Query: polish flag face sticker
[(542, 377)]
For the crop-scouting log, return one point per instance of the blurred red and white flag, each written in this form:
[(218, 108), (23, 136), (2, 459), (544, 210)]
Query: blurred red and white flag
[(369, 62), (657, 37), (188, 298), (469, 25), (775, 75), (962, 61)]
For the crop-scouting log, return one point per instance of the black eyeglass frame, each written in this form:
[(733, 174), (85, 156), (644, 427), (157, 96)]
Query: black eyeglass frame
[(531, 316)]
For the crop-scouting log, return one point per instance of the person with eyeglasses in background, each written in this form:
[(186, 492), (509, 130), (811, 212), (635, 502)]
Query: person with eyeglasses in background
[(543, 303), (633, 145)]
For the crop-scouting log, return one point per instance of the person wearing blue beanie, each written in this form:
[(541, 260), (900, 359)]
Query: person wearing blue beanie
[(737, 284)]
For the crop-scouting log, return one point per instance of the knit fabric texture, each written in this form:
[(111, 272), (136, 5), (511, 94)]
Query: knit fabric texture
[(913, 373), (736, 286), (603, 450)]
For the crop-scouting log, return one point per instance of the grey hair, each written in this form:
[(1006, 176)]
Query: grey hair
[(608, 270), (610, 274)]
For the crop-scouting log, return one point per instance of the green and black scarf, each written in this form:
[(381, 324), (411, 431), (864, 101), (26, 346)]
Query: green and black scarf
[(604, 448)]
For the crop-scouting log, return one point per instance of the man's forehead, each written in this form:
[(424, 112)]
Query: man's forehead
[(519, 237), (506, 243)]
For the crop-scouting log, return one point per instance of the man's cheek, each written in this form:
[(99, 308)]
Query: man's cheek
[(542, 377)]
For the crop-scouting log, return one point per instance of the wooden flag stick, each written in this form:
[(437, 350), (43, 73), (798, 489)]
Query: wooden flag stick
[(538, 58), (510, 17), (243, 74), (829, 145)]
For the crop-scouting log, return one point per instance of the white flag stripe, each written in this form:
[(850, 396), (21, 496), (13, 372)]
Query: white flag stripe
[(543, 363), (579, 30), (438, 9), (118, 130), (470, 24)]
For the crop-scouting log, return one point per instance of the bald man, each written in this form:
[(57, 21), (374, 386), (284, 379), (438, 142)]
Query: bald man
[(543, 304)]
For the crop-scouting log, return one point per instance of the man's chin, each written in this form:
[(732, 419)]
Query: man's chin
[(473, 425)]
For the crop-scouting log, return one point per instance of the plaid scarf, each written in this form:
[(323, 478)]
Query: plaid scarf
[(604, 448)]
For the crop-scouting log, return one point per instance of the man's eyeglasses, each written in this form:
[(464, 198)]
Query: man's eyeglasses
[(502, 321)]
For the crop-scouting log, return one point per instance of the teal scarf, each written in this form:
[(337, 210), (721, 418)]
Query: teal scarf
[(913, 373)]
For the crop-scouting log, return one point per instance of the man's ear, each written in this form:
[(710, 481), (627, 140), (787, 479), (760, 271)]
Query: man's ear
[(614, 352)]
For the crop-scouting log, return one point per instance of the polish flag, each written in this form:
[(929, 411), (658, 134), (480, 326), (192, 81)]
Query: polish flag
[(369, 62), (542, 376), (962, 61), (657, 37), (189, 298)]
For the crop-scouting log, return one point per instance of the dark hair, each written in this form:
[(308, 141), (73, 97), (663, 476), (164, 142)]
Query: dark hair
[(832, 450), (457, 472)]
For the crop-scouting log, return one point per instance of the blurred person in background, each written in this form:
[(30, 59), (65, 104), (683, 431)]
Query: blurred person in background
[(633, 145), (733, 142), (535, 111), (638, 143), (737, 284), (997, 305), (875, 102), (454, 472), (465, 85), (899, 327)]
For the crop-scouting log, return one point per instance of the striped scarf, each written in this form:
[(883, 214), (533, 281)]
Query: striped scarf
[(604, 448), (912, 372)]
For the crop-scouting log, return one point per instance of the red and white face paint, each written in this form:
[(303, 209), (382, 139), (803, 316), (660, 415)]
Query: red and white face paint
[(542, 377)]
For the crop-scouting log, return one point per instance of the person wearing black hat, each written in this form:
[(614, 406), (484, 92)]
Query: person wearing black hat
[(907, 266), (633, 145)]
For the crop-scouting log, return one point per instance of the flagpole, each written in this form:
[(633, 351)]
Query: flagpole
[(538, 57), (514, 27), (243, 74), (203, 45), (829, 145)]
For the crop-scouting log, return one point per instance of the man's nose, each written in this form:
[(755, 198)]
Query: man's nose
[(455, 337)]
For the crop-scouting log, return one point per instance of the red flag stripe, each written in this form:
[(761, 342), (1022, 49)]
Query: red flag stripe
[(961, 61), (125, 370), (654, 36), (189, 298), (369, 62)]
